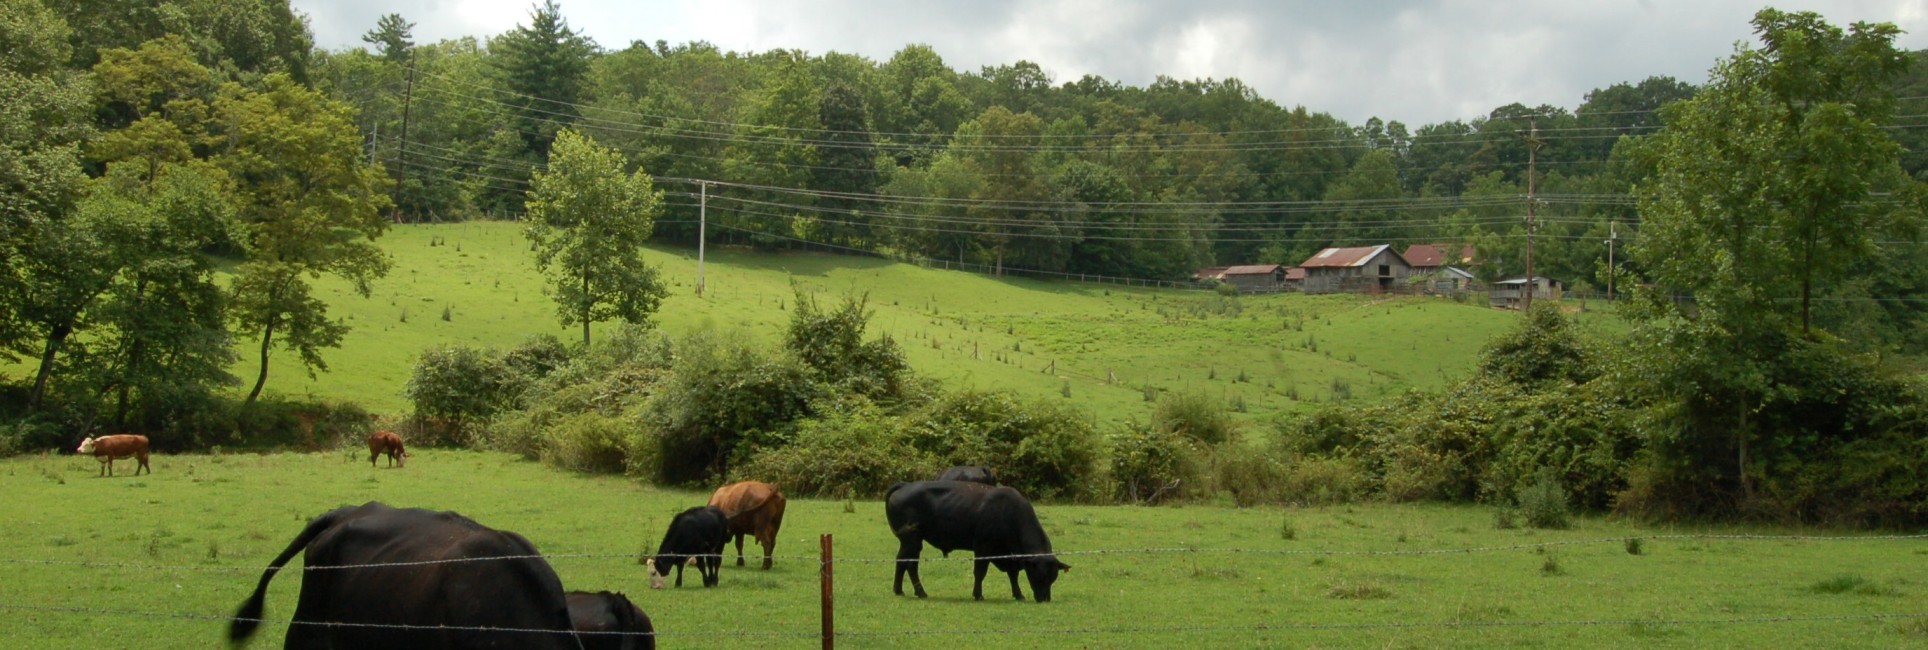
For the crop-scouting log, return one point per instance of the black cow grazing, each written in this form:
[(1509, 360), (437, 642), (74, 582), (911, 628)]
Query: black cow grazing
[(381, 577), (608, 621), (972, 473), (990, 522), (695, 536)]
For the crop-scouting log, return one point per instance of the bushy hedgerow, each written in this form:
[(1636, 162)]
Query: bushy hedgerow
[(1275, 477), (725, 396), (855, 452), (580, 413), (1043, 449)]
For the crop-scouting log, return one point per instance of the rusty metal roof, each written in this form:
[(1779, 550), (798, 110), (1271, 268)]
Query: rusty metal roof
[(1294, 273), (1342, 257), (1251, 269), (1435, 254)]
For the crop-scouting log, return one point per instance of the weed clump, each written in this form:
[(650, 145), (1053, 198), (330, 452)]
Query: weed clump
[(1545, 502)]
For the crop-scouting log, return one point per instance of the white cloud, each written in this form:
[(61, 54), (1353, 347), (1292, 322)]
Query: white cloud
[(1418, 61)]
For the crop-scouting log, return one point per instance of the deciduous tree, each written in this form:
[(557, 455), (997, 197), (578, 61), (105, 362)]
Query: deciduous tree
[(589, 222)]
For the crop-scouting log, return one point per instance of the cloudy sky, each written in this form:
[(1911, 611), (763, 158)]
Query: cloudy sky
[(1418, 61)]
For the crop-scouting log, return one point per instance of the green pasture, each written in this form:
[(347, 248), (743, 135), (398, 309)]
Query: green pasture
[(155, 561), (1104, 344)]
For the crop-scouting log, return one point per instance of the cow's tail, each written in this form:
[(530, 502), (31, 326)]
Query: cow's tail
[(248, 617)]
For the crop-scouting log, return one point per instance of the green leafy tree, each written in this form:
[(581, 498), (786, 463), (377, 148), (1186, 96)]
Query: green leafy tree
[(846, 167), (589, 222), (40, 173), (310, 206), (1763, 188)]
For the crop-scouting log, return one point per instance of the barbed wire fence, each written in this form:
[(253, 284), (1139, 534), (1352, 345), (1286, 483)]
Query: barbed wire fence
[(826, 562)]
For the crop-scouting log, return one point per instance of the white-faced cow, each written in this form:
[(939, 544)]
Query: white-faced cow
[(972, 473), (608, 621), (754, 508), (386, 442), (996, 524), (107, 448), (381, 577), (696, 536)]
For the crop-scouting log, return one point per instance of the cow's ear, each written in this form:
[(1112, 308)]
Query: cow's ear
[(1064, 567)]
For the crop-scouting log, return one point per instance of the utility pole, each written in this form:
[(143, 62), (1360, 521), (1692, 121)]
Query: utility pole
[(1532, 150), (1613, 236), (702, 226), (408, 94)]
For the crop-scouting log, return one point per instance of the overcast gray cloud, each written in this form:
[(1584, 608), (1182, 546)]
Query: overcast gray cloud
[(1418, 61)]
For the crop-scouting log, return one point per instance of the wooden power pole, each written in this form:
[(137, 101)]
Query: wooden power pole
[(1532, 151)]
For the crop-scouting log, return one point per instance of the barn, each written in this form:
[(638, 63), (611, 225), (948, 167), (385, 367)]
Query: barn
[(1255, 278), (1365, 269), (1511, 293)]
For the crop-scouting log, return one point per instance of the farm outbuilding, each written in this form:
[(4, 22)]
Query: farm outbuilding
[(1444, 279), (1511, 293), (1255, 278), (1429, 258), (1366, 269)]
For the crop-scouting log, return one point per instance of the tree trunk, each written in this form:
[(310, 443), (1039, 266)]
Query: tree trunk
[(1741, 435), (132, 365), (267, 339), (586, 304), (55, 338)]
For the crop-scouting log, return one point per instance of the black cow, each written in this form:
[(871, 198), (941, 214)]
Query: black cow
[(608, 621), (993, 523), (381, 577), (972, 473), (695, 536)]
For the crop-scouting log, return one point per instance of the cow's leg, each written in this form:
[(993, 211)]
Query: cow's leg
[(739, 549), (978, 569), (768, 540), (908, 551), (679, 573), (144, 466), (1015, 593)]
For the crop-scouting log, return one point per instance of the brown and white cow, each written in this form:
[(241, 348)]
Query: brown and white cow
[(107, 448), (754, 508), (386, 442)]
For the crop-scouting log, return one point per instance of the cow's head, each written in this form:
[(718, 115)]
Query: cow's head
[(86, 446), (1042, 572), (655, 578)]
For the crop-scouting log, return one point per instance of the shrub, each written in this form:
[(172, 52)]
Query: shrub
[(1544, 503), (1043, 449), (724, 395), (1196, 416), (587, 442), (1149, 465), (457, 386), (855, 454)]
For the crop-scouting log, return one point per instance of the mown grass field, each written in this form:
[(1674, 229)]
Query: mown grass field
[(165, 556), (1104, 344)]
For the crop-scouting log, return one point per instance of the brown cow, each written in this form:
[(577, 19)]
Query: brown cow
[(754, 508), (107, 448), (381, 442)]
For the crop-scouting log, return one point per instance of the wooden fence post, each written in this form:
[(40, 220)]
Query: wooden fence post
[(829, 599)]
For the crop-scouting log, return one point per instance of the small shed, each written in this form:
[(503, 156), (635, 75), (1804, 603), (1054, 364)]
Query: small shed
[(1209, 274), (1364, 269), (1255, 278), (1445, 279), (1511, 293), (1294, 278)]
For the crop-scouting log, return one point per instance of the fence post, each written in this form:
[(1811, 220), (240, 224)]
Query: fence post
[(829, 599)]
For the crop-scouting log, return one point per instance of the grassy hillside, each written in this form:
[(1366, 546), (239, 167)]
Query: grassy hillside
[(157, 561), (1103, 344)]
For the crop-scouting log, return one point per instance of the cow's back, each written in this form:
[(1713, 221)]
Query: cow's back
[(427, 574), (746, 496), (959, 514)]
